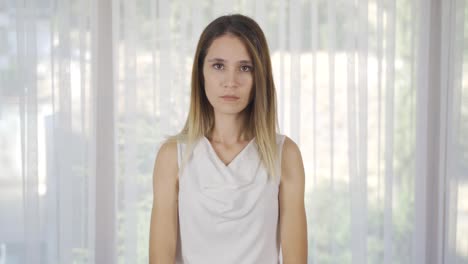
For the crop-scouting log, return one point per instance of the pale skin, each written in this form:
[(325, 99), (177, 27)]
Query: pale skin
[(228, 71)]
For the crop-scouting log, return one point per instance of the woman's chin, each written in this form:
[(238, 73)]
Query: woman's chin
[(229, 110)]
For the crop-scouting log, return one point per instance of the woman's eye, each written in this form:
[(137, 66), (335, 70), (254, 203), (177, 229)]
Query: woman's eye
[(246, 68), (218, 66)]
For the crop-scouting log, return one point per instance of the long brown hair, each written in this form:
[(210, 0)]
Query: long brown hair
[(261, 111)]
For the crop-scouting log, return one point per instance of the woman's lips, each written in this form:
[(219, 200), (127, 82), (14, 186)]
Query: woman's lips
[(230, 97)]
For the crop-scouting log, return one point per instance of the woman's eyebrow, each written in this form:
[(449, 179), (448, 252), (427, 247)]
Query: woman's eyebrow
[(245, 61), (223, 60), (217, 60)]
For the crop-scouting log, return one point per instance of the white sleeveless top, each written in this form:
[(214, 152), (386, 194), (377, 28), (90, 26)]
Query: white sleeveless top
[(227, 214)]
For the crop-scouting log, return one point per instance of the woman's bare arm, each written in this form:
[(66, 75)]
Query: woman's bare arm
[(293, 223), (164, 215)]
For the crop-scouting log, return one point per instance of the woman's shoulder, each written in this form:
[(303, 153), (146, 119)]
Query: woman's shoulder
[(168, 147), (291, 158), (173, 148), (289, 143), (167, 153), (290, 149)]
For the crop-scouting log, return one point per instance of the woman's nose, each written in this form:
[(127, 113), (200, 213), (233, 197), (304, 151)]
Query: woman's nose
[(230, 79)]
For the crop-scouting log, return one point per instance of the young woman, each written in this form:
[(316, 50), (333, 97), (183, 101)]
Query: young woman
[(228, 188)]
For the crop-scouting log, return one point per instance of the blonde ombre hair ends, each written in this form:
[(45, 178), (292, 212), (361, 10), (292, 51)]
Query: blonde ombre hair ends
[(261, 111)]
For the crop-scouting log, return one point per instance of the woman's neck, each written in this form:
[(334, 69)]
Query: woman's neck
[(229, 129)]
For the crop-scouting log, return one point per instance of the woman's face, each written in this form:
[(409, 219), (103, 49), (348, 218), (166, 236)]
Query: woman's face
[(228, 73)]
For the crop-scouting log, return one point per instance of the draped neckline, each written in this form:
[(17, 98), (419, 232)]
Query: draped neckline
[(236, 157)]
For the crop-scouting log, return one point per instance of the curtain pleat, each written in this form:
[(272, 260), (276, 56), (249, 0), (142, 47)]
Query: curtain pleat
[(165, 69), (282, 46), (90, 111), (105, 127), (154, 32), (421, 155), (379, 57), (447, 56), (331, 29), (360, 256), (295, 27), (454, 12), (130, 99), (389, 128), (312, 239), (82, 92), (26, 38), (357, 120), (66, 181)]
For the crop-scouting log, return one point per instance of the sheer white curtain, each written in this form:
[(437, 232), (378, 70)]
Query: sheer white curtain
[(375, 92)]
